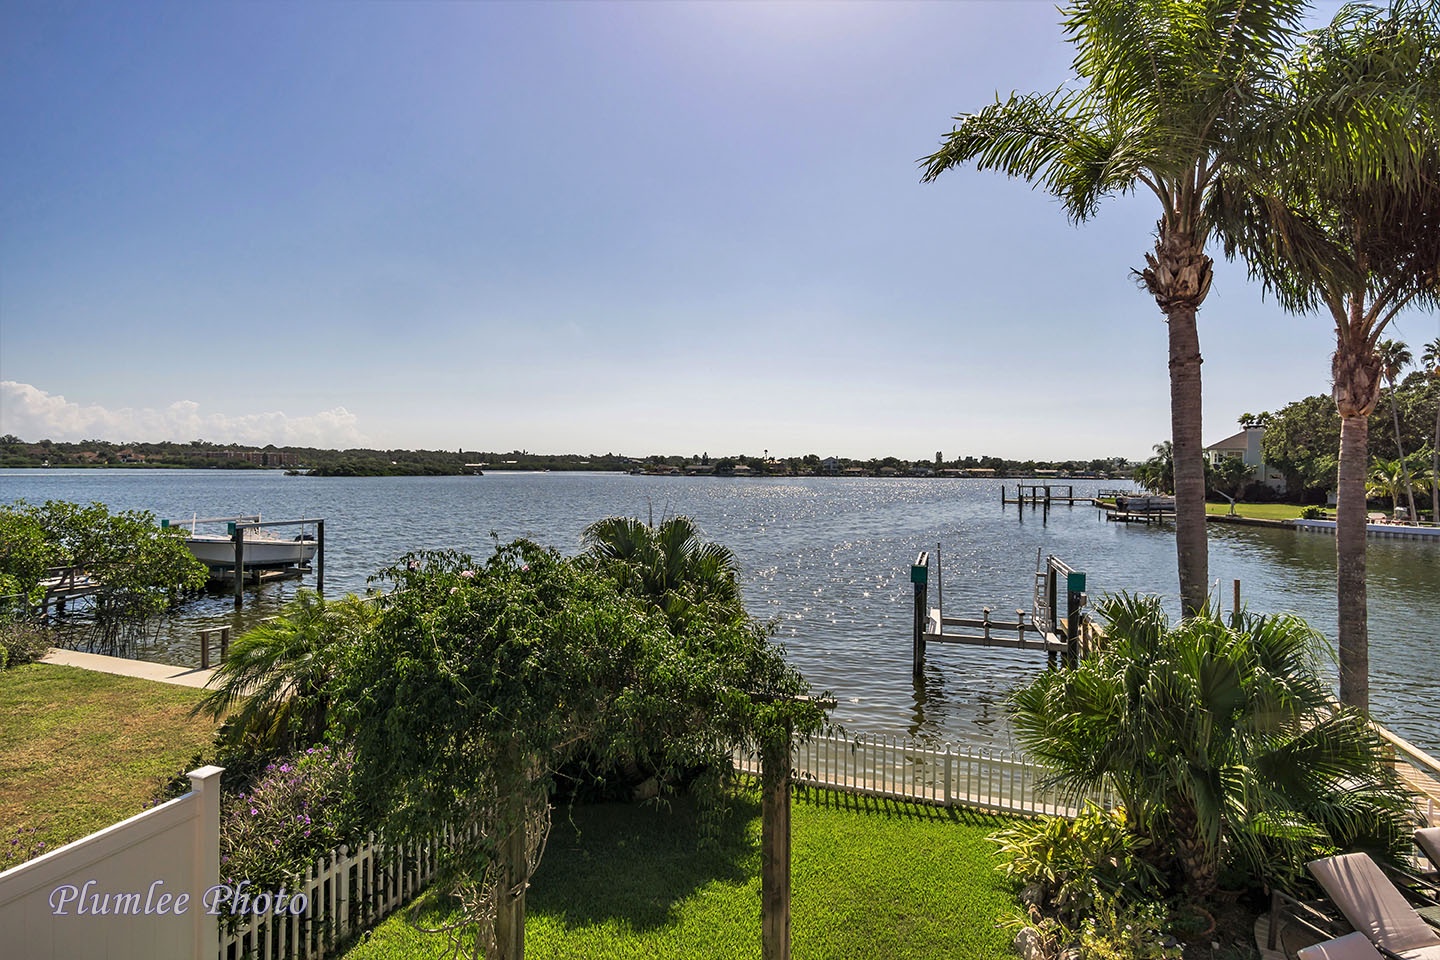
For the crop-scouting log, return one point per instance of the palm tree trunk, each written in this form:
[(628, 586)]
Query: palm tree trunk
[(1178, 276), (1191, 546), (1400, 449), (1354, 637), (1197, 858), (1356, 373)]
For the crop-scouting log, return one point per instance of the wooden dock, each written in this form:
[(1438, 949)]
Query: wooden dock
[(994, 633), (1043, 494), (64, 584)]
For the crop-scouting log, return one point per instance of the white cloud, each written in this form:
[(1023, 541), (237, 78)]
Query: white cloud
[(32, 414)]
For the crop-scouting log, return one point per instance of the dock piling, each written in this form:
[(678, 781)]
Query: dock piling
[(920, 577)]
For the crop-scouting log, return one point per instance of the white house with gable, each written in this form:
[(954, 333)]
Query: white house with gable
[(1246, 446)]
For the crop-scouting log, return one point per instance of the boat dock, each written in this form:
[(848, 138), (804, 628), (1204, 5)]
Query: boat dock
[(1042, 630), (63, 584), (1042, 494), (1137, 508)]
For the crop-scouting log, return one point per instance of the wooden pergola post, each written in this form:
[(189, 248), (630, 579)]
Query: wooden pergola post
[(775, 848)]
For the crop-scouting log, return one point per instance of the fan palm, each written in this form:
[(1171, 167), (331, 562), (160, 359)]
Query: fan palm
[(1431, 359), (272, 682), (1394, 357), (670, 565), (1164, 101), (1220, 741), (1344, 217)]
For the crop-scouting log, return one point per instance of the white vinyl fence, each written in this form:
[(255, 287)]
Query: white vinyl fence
[(997, 781), (132, 891)]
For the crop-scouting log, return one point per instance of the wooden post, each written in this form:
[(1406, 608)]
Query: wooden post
[(775, 848), (510, 918), (204, 649), (919, 576), (224, 643), (239, 565), (320, 557), (1235, 607)]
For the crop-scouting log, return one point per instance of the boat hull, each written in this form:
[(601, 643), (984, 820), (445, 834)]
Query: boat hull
[(259, 551)]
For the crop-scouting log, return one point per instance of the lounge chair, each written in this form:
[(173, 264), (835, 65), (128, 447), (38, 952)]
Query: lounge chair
[(1375, 908), (1428, 840), (1352, 946)]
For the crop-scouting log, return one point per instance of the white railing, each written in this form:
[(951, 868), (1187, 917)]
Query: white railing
[(998, 781), (345, 893), (1420, 771)]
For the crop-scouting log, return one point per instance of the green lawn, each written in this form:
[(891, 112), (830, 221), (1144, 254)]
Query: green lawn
[(871, 879), (1260, 511), (81, 750)]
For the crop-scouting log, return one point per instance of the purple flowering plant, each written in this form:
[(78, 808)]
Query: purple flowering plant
[(299, 808)]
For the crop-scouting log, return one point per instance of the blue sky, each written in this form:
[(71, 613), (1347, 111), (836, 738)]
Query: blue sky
[(588, 227)]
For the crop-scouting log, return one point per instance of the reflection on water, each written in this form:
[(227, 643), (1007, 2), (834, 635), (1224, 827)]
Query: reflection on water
[(826, 559)]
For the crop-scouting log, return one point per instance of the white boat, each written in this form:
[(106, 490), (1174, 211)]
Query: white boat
[(262, 548)]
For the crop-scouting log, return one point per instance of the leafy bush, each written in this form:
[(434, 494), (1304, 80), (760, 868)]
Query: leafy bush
[(22, 642), (1127, 931), (299, 808), (1111, 929), (1312, 512), (1067, 862)]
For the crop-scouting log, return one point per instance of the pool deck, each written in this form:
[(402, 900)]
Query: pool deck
[(122, 666)]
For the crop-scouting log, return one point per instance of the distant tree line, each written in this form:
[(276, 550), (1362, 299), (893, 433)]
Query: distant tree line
[(364, 462)]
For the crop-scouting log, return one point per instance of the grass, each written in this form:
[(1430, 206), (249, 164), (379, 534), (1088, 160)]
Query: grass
[(1259, 511), (81, 750), (870, 879)]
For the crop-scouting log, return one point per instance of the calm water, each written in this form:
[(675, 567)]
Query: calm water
[(827, 558)]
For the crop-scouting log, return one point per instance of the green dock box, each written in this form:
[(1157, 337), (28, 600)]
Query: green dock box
[(919, 574)]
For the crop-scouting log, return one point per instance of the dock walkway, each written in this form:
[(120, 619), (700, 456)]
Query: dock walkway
[(125, 667)]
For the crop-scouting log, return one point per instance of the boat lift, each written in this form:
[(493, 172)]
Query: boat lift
[(1042, 630), (236, 527)]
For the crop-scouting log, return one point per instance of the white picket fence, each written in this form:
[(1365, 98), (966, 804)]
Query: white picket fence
[(969, 776), (346, 893)]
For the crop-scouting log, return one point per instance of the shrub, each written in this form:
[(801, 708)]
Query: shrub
[(22, 642), (1067, 862), (1111, 929), (299, 808), (1312, 512)]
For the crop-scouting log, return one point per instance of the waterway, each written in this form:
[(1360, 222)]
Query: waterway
[(827, 559)]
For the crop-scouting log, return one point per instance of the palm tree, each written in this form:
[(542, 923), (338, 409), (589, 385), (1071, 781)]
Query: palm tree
[(1394, 357), (272, 683), (1219, 740), (1343, 217), (1166, 90), (669, 565), (1158, 473), (1431, 359)]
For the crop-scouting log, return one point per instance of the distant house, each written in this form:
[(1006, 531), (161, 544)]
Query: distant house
[(1245, 446), (830, 466)]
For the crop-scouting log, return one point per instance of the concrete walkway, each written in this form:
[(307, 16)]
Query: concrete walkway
[(160, 672)]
